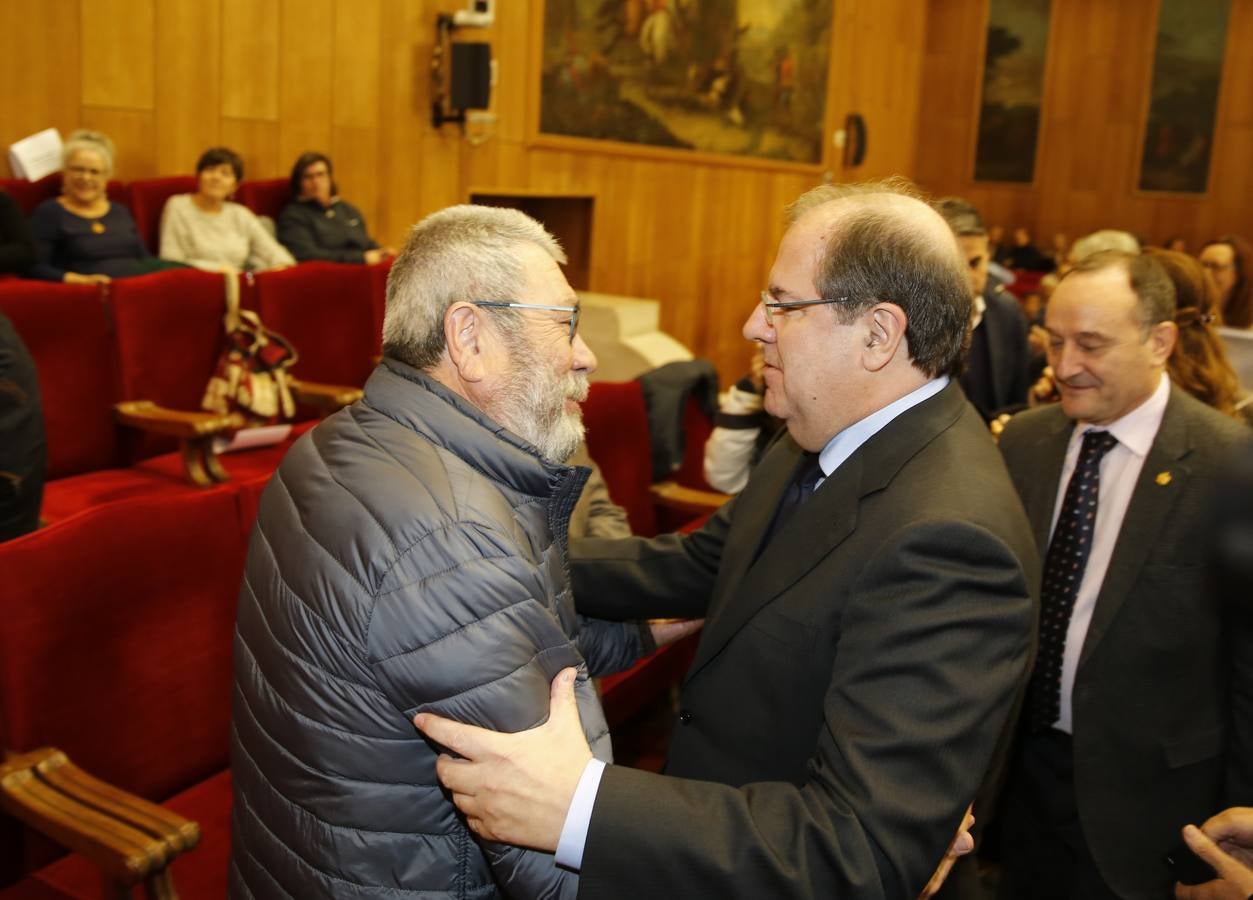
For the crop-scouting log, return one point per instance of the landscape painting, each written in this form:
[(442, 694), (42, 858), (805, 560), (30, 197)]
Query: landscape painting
[(1013, 88), (1183, 104), (740, 77)]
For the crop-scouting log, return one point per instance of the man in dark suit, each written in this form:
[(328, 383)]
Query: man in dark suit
[(865, 640), (997, 373), (1139, 715)]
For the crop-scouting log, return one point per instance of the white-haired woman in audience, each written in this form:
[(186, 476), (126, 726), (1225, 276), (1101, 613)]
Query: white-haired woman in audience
[(317, 224), (208, 231), (81, 237)]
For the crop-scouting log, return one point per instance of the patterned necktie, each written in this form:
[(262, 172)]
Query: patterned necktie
[(1063, 573)]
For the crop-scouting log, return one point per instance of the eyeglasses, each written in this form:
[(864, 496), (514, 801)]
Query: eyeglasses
[(84, 171), (771, 306), (509, 304)]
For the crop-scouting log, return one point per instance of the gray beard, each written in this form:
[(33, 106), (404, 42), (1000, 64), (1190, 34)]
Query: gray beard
[(532, 405)]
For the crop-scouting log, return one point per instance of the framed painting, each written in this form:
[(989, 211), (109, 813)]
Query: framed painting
[(1183, 99), (1013, 90), (741, 79)]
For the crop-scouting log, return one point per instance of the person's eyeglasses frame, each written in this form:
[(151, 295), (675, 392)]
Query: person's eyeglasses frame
[(510, 304), (770, 305)]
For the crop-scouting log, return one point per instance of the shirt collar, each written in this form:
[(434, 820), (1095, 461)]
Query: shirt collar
[(1137, 429), (980, 307), (845, 444)]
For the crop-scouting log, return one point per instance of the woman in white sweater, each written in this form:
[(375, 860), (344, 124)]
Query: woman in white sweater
[(208, 231)]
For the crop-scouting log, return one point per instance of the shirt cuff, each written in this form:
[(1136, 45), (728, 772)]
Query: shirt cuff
[(579, 817)]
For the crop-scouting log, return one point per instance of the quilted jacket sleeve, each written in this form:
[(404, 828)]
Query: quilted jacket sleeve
[(464, 628)]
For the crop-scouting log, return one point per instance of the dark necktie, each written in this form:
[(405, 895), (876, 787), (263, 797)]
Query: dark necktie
[(1063, 573), (799, 489)]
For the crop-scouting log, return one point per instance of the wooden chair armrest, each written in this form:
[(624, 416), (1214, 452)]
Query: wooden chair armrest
[(127, 837), (327, 397), (687, 500), (182, 424)]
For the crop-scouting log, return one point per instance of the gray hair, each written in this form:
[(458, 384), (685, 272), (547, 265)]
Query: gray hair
[(459, 253), (962, 216), (82, 139), (878, 254), (1106, 239)]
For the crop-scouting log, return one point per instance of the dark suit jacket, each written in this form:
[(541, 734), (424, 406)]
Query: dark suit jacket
[(1163, 696), (999, 382), (851, 682)]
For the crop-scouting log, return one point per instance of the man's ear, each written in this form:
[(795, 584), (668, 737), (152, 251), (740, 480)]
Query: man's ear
[(1162, 338), (464, 340), (885, 335)]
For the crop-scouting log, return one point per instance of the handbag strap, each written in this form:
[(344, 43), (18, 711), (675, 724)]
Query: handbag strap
[(230, 321)]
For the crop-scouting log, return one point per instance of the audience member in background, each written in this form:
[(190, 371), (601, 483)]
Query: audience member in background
[(410, 555), (997, 372), (742, 429), (1176, 243), (1225, 842), (317, 224), (17, 250), (1229, 261), (1199, 362), (81, 237), (23, 450), (1061, 249), (1138, 716), (1026, 255), (1100, 242), (208, 231)]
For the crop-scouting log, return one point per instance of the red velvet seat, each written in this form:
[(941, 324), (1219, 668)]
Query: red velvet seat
[(266, 197), (30, 194), (326, 311), (617, 438), (147, 200), (67, 331), (117, 644)]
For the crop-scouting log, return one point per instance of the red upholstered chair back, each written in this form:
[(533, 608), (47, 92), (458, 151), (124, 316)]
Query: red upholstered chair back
[(116, 645), (67, 331), (326, 310), (265, 198), (168, 329), (697, 427), (147, 200), (617, 438), (29, 194)]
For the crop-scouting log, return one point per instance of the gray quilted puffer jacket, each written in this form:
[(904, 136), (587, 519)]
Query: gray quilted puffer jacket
[(409, 555)]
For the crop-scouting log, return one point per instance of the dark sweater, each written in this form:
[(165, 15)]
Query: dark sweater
[(17, 250), (65, 242), (23, 448), (335, 233)]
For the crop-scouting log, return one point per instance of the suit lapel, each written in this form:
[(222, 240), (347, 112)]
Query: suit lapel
[(1040, 482), (1148, 511), (745, 585), (997, 347)]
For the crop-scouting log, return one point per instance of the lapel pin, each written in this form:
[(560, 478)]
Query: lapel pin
[(1163, 478)]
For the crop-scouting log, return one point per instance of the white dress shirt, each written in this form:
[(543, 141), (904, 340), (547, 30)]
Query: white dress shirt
[(579, 817), (1120, 469)]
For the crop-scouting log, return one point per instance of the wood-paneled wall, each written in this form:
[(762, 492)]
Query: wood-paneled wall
[(272, 78), (1092, 126)]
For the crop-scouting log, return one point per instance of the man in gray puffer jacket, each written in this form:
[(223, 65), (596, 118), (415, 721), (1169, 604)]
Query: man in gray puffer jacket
[(410, 555)]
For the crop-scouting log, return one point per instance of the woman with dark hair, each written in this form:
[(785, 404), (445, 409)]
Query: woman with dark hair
[(317, 224), (1199, 362), (1229, 261), (208, 231)]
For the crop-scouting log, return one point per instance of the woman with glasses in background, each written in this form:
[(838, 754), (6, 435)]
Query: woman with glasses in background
[(1229, 261), (81, 237)]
